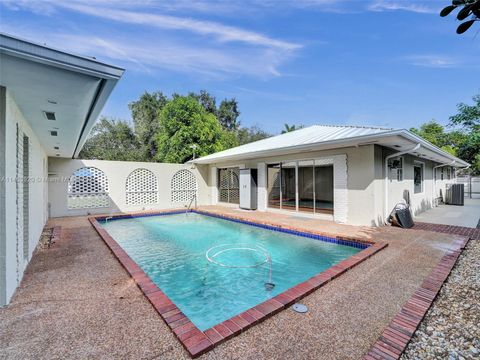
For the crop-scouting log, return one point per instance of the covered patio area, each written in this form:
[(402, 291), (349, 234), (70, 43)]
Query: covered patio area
[(77, 301)]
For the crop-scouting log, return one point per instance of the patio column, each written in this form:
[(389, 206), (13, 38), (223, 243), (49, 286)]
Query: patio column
[(262, 186)]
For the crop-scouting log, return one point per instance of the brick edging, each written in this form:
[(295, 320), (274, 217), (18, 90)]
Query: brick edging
[(395, 337), (193, 339)]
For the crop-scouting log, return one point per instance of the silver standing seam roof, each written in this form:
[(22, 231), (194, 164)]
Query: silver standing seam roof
[(318, 137)]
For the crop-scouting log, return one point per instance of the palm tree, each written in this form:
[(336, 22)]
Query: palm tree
[(290, 128)]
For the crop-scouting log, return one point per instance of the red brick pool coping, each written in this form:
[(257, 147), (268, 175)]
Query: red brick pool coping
[(197, 342), (395, 337)]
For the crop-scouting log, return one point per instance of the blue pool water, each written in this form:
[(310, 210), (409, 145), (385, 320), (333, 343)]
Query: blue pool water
[(171, 250)]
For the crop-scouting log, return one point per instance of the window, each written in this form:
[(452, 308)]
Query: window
[(183, 186), (228, 185), (88, 188), (396, 168), (449, 173), (141, 188), (418, 177)]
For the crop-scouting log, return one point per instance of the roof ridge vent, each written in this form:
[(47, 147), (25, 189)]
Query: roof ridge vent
[(356, 126)]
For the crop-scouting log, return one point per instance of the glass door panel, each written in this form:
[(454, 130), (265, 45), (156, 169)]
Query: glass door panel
[(306, 186), (289, 189), (273, 185), (324, 189)]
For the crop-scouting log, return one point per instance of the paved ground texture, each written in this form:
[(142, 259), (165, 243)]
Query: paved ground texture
[(467, 215), (451, 329), (76, 301)]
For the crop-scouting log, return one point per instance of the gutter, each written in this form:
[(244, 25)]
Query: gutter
[(385, 180)]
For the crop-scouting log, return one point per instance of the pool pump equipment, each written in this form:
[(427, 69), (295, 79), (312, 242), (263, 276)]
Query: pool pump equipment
[(214, 252)]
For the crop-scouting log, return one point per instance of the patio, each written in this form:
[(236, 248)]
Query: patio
[(77, 301), (467, 215)]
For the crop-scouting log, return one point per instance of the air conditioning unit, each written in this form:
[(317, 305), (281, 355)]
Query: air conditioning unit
[(454, 194)]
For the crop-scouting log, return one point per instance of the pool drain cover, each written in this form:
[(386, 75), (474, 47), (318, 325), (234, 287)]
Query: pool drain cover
[(300, 308)]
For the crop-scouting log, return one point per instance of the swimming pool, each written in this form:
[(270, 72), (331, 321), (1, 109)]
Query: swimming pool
[(171, 249)]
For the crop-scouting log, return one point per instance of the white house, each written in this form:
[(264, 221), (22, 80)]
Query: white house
[(349, 174), (50, 99)]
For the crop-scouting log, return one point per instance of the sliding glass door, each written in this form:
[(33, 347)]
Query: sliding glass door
[(300, 186)]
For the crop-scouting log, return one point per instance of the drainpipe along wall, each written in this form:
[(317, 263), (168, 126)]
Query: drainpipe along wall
[(385, 180)]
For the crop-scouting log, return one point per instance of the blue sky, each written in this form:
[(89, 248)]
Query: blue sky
[(365, 62)]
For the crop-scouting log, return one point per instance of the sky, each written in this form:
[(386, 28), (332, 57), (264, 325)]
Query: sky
[(389, 63)]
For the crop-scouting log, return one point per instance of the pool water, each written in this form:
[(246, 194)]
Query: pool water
[(171, 250)]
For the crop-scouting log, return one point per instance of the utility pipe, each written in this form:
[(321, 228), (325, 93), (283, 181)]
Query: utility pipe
[(385, 187), (435, 180)]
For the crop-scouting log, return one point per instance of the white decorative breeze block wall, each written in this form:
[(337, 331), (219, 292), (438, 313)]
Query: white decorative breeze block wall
[(141, 188), (184, 186), (88, 188)]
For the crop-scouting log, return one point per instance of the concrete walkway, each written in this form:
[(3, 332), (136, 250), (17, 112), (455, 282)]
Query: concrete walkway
[(77, 302), (467, 215)]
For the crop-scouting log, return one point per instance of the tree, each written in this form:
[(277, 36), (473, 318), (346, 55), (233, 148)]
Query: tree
[(183, 123), (290, 128), (468, 116), (145, 113), (251, 134), (469, 8), (112, 140), (435, 133), (228, 114), (468, 120), (208, 101)]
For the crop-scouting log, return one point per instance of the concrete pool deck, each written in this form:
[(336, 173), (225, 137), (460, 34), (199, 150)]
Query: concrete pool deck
[(76, 301), (467, 215)]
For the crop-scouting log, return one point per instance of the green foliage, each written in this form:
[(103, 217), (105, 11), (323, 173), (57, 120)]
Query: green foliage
[(464, 140), (468, 116), (228, 114), (289, 128), (145, 113), (208, 102), (112, 140), (184, 123), (468, 9), (251, 134), (165, 129)]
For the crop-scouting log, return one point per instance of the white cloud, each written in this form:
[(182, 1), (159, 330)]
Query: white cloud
[(109, 10), (432, 61), (387, 5), (158, 41)]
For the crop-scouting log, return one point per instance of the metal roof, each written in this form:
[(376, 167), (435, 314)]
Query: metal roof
[(319, 137)]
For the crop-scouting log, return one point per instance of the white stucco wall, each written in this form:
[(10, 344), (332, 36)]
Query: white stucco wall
[(15, 263), (60, 170), (353, 198)]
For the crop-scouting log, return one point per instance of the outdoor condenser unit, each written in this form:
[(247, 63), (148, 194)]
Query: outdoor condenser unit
[(248, 189), (454, 194)]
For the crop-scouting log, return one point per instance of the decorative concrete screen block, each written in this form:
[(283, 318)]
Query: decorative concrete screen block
[(88, 188), (184, 186), (141, 188)]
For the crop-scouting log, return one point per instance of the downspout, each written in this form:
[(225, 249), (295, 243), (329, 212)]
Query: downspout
[(435, 180), (385, 180)]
